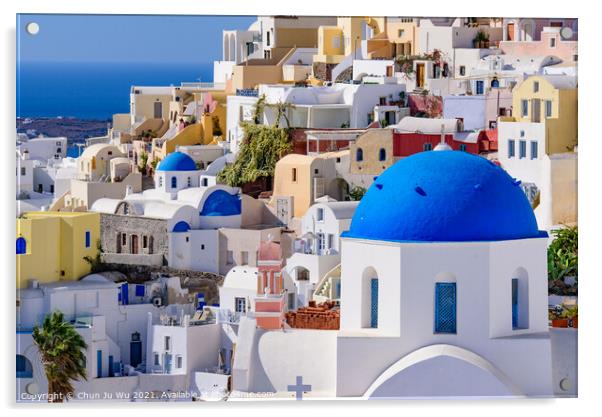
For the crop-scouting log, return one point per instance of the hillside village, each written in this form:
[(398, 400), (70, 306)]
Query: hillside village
[(354, 207)]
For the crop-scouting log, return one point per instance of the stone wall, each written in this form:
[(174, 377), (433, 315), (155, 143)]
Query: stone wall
[(323, 71), (149, 235)]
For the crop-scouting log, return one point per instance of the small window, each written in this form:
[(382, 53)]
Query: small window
[(320, 215), (167, 343), (463, 147), (535, 86), (294, 174), (522, 150), (110, 153), (174, 182), (229, 258), (400, 33), (382, 154), (59, 150), (575, 58), (123, 239), (382, 101), (139, 290), (23, 171), (427, 147), (144, 242), (511, 148), (359, 155), (205, 182), (552, 42), (316, 171), (533, 149), (179, 361), (462, 70), (156, 361), (244, 257), (240, 304), (160, 181), (548, 108), (445, 307), (189, 182), (202, 247), (87, 238), (524, 108)]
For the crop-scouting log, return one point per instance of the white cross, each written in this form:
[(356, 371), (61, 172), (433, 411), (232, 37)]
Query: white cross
[(299, 388)]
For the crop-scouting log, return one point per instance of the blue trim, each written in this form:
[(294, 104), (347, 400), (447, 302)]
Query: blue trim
[(139, 290), (111, 366), (180, 227), (515, 303), (24, 368), (21, 246), (125, 299), (445, 307), (222, 203)]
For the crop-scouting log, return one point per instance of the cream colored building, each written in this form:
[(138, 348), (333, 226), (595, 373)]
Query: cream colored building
[(375, 147)]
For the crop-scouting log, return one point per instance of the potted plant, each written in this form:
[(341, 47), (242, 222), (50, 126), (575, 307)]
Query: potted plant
[(479, 39), (571, 314), (557, 317)]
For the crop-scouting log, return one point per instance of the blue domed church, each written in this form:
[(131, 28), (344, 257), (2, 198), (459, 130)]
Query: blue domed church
[(444, 285)]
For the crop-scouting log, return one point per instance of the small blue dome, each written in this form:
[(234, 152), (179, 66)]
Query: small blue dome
[(177, 161), (444, 196), (221, 203)]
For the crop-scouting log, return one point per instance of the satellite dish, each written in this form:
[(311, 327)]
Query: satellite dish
[(566, 32)]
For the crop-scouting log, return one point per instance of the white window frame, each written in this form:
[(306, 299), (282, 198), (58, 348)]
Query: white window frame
[(240, 304), (320, 215)]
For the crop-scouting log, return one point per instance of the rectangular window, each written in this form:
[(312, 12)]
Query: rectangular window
[(294, 174), (123, 239), (23, 171), (533, 149), (399, 33), (167, 343), (427, 147), (463, 147), (179, 361), (139, 290), (535, 86), (244, 258), (374, 303), (445, 307), (548, 108), (524, 108), (157, 361), (462, 70), (87, 238), (240, 304), (522, 150), (320, 215), (229, 257), (514, 303), (144, 242), (552, 42), (480, 87)]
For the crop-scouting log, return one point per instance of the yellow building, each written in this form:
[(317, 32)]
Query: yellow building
[(51, 246), (402, 33), (552, 100), (305, 178), (337, 42)]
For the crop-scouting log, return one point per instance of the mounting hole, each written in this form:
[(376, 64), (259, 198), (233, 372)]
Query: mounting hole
[(32, 28)]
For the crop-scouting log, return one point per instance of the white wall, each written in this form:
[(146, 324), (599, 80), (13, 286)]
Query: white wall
[(196, 250)]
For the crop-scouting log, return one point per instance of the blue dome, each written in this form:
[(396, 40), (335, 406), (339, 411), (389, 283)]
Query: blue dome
[(444, 196), (221, 203), (177, 161)]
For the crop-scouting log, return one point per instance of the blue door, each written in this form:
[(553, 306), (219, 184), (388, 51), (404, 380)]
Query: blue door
[(125, 299), (374, 303), (99, 363), (111, 366), (480, 85), (514, 303), (135, 353), (445, 307)]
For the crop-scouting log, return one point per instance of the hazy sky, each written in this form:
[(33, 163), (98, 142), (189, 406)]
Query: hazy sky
[(125, 38)]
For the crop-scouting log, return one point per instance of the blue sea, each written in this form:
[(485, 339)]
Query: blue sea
[(94, 90)]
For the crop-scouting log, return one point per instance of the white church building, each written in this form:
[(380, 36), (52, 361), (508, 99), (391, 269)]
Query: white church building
[(443, 293)]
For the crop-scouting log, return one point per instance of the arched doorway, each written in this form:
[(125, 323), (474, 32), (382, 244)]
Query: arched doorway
[(370, 287)]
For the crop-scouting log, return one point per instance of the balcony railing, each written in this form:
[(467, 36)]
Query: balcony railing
[(247, 92)]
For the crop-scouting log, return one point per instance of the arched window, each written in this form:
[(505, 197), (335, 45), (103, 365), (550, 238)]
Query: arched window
[(445, 307), (21, 246), (359, 155), (495, 83), (382, 154), (174, 182), (520, 299), (24, 368)]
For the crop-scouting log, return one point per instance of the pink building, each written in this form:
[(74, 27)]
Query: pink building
[(269, 303), (553, 41), (529, 29)]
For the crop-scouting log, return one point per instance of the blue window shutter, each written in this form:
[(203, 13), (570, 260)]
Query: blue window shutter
[(374, 302), (99, 363), (445, 307), (514, 303), (139, 290), (87, 238), (21, 246)]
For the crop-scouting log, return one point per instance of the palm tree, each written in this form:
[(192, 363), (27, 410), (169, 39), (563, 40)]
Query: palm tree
[(62, 350)]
